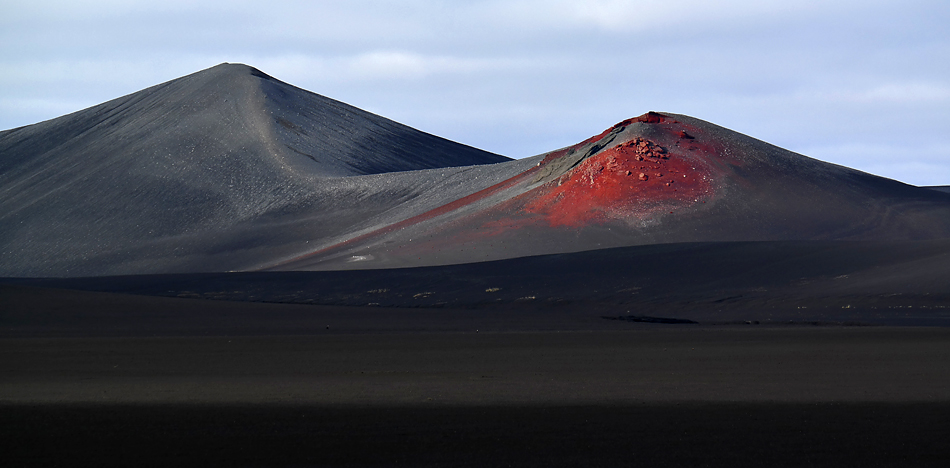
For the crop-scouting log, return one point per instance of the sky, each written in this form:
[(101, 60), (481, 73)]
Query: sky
[(865, 84)]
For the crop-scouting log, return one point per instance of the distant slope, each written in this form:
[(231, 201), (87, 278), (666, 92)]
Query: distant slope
[(204, 173), (939, 188)]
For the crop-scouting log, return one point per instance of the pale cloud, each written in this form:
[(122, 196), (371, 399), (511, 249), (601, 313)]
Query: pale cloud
[(384, 64), (77, 71), (908, 93), (647, 15)]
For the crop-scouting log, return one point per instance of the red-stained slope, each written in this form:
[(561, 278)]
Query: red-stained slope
[(635, 179), (622, 178)]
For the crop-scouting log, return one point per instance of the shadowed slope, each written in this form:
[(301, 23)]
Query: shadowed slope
[(203, 173)]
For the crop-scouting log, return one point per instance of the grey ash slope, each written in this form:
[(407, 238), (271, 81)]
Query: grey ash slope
[(218, 170)]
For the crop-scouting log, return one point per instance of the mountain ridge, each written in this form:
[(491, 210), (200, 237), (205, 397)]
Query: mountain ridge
[(230, 169)]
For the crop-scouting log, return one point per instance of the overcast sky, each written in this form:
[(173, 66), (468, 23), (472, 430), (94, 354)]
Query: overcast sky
[(861, 83)]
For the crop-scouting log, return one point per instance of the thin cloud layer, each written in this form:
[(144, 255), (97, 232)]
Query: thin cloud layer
[(843, 82)]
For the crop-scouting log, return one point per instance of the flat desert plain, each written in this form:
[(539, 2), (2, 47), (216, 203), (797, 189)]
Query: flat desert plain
[(299, 385)]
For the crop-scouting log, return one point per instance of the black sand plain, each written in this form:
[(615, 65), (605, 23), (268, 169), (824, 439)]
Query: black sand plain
[(226, 270), (486, 389), (96, 378)]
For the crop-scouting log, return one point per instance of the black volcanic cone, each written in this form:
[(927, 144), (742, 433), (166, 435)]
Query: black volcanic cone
[(218, 170)]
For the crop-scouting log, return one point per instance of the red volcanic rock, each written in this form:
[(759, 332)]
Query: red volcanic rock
[(685, 135), (593, 190), (650, 117), (646, 148)]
